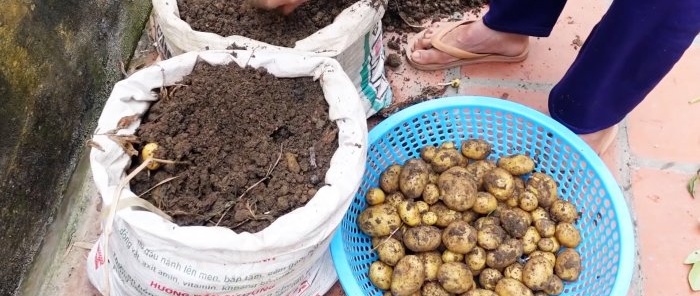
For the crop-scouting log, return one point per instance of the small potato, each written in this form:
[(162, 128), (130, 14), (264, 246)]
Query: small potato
[(446, 158), (422, 206), (394, 199), (506, 254), (489, 277), (567, 235), (459, 237), (512, 287), (545, 227), (433, 289), (380, 275), (513, 201), (448, 145), (476, 149), (515, 221), (514, 271), (428, 152), (375, 196), (422, 238), (480, 292), (414, 177), (554, 286), (379, 220), (476, 260), (478, 169), (389, 179), (499, 183), (469, 216), (455, 277), (409, 213), (568, 265), (457, 189), (485, 203), (444, 214), (548, 244), (431, 262), (449, 256), (429, 218), (530, 240), (489, 220), (490, 237), (148, 152), (517, 164), (431, 194), (551, 258), (536, 273), (539, 213), (528, 201), (563, 211), (544, 187), (390, 251), (408, 276)]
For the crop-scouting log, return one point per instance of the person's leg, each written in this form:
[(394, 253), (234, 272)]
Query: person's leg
[(626, 55), (504, 30)]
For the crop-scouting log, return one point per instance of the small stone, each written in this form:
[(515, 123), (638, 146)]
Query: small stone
[(393, 60)]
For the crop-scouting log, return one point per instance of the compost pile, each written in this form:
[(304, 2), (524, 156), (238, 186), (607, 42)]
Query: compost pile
[(248, 147), (408, 15)]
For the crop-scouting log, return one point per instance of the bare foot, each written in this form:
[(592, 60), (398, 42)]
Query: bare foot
[(601, 140), (473, 37)]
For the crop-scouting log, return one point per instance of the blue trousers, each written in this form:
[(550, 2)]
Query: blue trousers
[(627, 53)]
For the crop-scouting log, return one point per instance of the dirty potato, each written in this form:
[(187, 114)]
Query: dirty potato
[(469, 216), (422, 238), (485, 203), (476, 260), (455, 277), (380, 275), (512, 287), (545, 227), (544, 187), (394, 199), (567, 235), (427, 153), (568, 265), (480, 292), (476, 149), (478, 169), (499, 183), (514, 271), (515, 221), (390, 251), (433, 289), (505, 254), (536, 273), (489, 277), (431, 194), (554, 286), (389, 179), (429, 218), (563, 211), (445, 216), (459, 237), (539, 213), (449, 256), (408, 276), (457, 189), (516, 165), (446, 158), (433, 178), (530, 240), (528, 201), (551, 258), (548, 244), (409, 213), (490, 236), (379, 220), (413, 178), (488, 220), (431, 263), (375, 196)]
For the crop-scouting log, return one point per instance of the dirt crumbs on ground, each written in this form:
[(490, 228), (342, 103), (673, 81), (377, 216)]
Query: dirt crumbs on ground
[(407, 15), (230, 128), (427, 93), (237, 17)]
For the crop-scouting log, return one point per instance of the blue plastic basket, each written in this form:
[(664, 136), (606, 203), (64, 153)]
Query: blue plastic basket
[(607, 247)]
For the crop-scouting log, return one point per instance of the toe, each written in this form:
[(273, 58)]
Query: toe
[(431, 56)]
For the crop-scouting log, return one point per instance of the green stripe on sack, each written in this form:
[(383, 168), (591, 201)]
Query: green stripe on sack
[(367, 89)]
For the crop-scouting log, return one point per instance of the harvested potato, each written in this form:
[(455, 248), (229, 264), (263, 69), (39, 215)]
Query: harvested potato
[(476, 260), (544, 187), (390, 251), (429, 218), (563, 211), (449, 256), (394, 199), (448, 145), (433, 289), (375, 196), (505, 254), (513, 201), (567, 235), (409, 213), (457, 189), (476, 149), (548, 244), (499, 183), (480, 292), (536, 273), (551, 258), (422, 238), (517, 164), (545, 227), (502, 206), (422, 206), (431, 263), (515, 221), (538, 293), (514, 271), (455, 277), (413, 178), (489, 277), (446, 158), (485, 203), (488, 220), (148, 152), (530, 240), (459, 237), (568, 265), (512, 287), (389, 179), (428, 152), (554, 286), (379, 220), (490, 236), (431, 194), (433, 178), (408, 276), (539, 213), (380, 275), (478, 169), (469, 216), (528, 201), (445, 216)]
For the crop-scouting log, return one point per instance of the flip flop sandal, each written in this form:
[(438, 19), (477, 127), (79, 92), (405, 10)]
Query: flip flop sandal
[(465, 57)]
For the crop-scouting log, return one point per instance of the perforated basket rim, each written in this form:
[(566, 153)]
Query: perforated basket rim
[(625, 265)]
